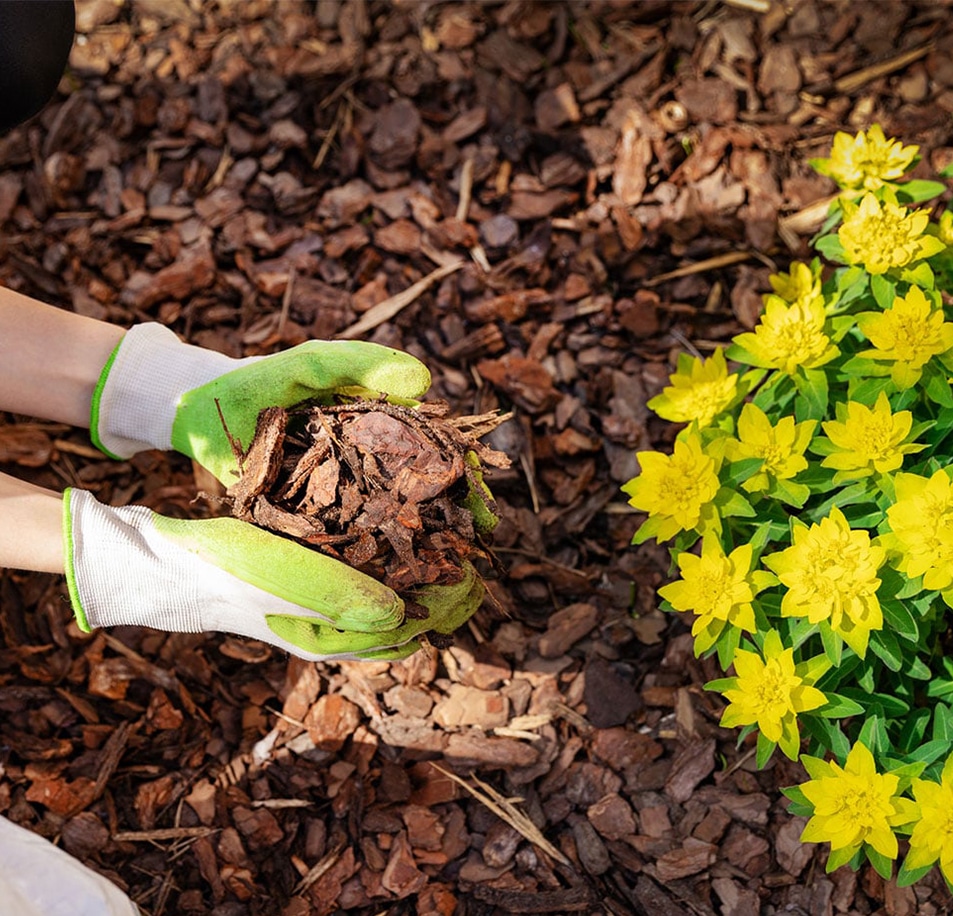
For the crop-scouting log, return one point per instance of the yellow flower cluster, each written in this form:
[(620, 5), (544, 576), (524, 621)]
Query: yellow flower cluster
[(809, 496), (907, 335), (854, 805), (677, 491), (866, 161), (770, 693), (882, 236), (699, 394)]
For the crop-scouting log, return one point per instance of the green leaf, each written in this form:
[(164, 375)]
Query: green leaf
[(884, 291), (907, 876), (868, 389), (731, 503), (648, 529), (740, 471), (885, 646), (833, 644), (849, 496), (872, 734), (875, 702), (921, 275), (932, 750), (838, 707), (790, 492), (936, 386), (801, 630), (828, 734), (728, 641), (914, 728), (919, 670), (800, 806), (942, 723), (940, 687), (831, 248), (721, 684), (882, 865), (765, 751), (812, 387), (918, 189), (851, 284), (839, 857), (899, 619)]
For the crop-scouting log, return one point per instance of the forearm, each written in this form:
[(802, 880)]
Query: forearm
[(31, 526), (50, 359)]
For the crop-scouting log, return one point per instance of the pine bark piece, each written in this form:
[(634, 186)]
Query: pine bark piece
[(374, 484)]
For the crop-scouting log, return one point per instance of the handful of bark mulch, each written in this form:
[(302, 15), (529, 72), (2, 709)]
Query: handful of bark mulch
[(377, 485)]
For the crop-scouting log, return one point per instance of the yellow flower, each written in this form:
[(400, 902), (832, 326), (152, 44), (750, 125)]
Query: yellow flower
[(676, 490), (770, 693), (718, 589), (908, 334), (932, 836), (781, 447), (789, 335), (885, 236), (697, 395), (868, 441), (800, 285), (921, 528), (854, 805), (830, 572), (867, 160)]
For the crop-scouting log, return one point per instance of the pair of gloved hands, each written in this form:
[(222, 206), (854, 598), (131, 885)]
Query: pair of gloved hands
[(132, 566)]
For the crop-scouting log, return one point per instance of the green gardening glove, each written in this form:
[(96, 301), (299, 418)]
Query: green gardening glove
[(130, 566), (157, 392)]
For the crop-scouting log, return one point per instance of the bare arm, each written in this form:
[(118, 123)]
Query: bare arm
[(31, 526), (50, 359)]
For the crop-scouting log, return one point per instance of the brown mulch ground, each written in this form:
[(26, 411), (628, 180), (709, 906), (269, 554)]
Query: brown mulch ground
[(572, 193)]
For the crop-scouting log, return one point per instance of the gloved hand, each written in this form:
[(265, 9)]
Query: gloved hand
[(157, 392), (131, 566)]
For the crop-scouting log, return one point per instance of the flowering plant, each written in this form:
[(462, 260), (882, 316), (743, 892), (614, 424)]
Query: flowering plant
[(809, 507)]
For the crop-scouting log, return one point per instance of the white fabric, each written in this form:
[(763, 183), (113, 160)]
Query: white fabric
[(39, 879), (151, 371), (127, 573)]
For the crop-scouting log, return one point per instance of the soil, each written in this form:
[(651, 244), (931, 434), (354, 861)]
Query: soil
[(544, 202)]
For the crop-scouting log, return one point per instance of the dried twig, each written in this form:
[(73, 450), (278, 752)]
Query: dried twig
[(163, 833), (387, 309), (699, 267), (854, 81), (506, 810), (319, 868)]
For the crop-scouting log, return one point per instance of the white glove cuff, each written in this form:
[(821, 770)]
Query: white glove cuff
[(120, 572), (138, 393)]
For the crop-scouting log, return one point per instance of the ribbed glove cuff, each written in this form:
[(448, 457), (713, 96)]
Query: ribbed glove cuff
[(136, 399)]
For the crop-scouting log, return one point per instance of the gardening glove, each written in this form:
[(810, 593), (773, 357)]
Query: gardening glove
[(130, 566), (449, 606), (157, 392)]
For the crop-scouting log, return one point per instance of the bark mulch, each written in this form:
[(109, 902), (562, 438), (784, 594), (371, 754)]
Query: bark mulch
[(544, 202)]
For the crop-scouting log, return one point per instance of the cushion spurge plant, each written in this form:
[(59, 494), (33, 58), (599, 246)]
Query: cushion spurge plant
[(808, 505)]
